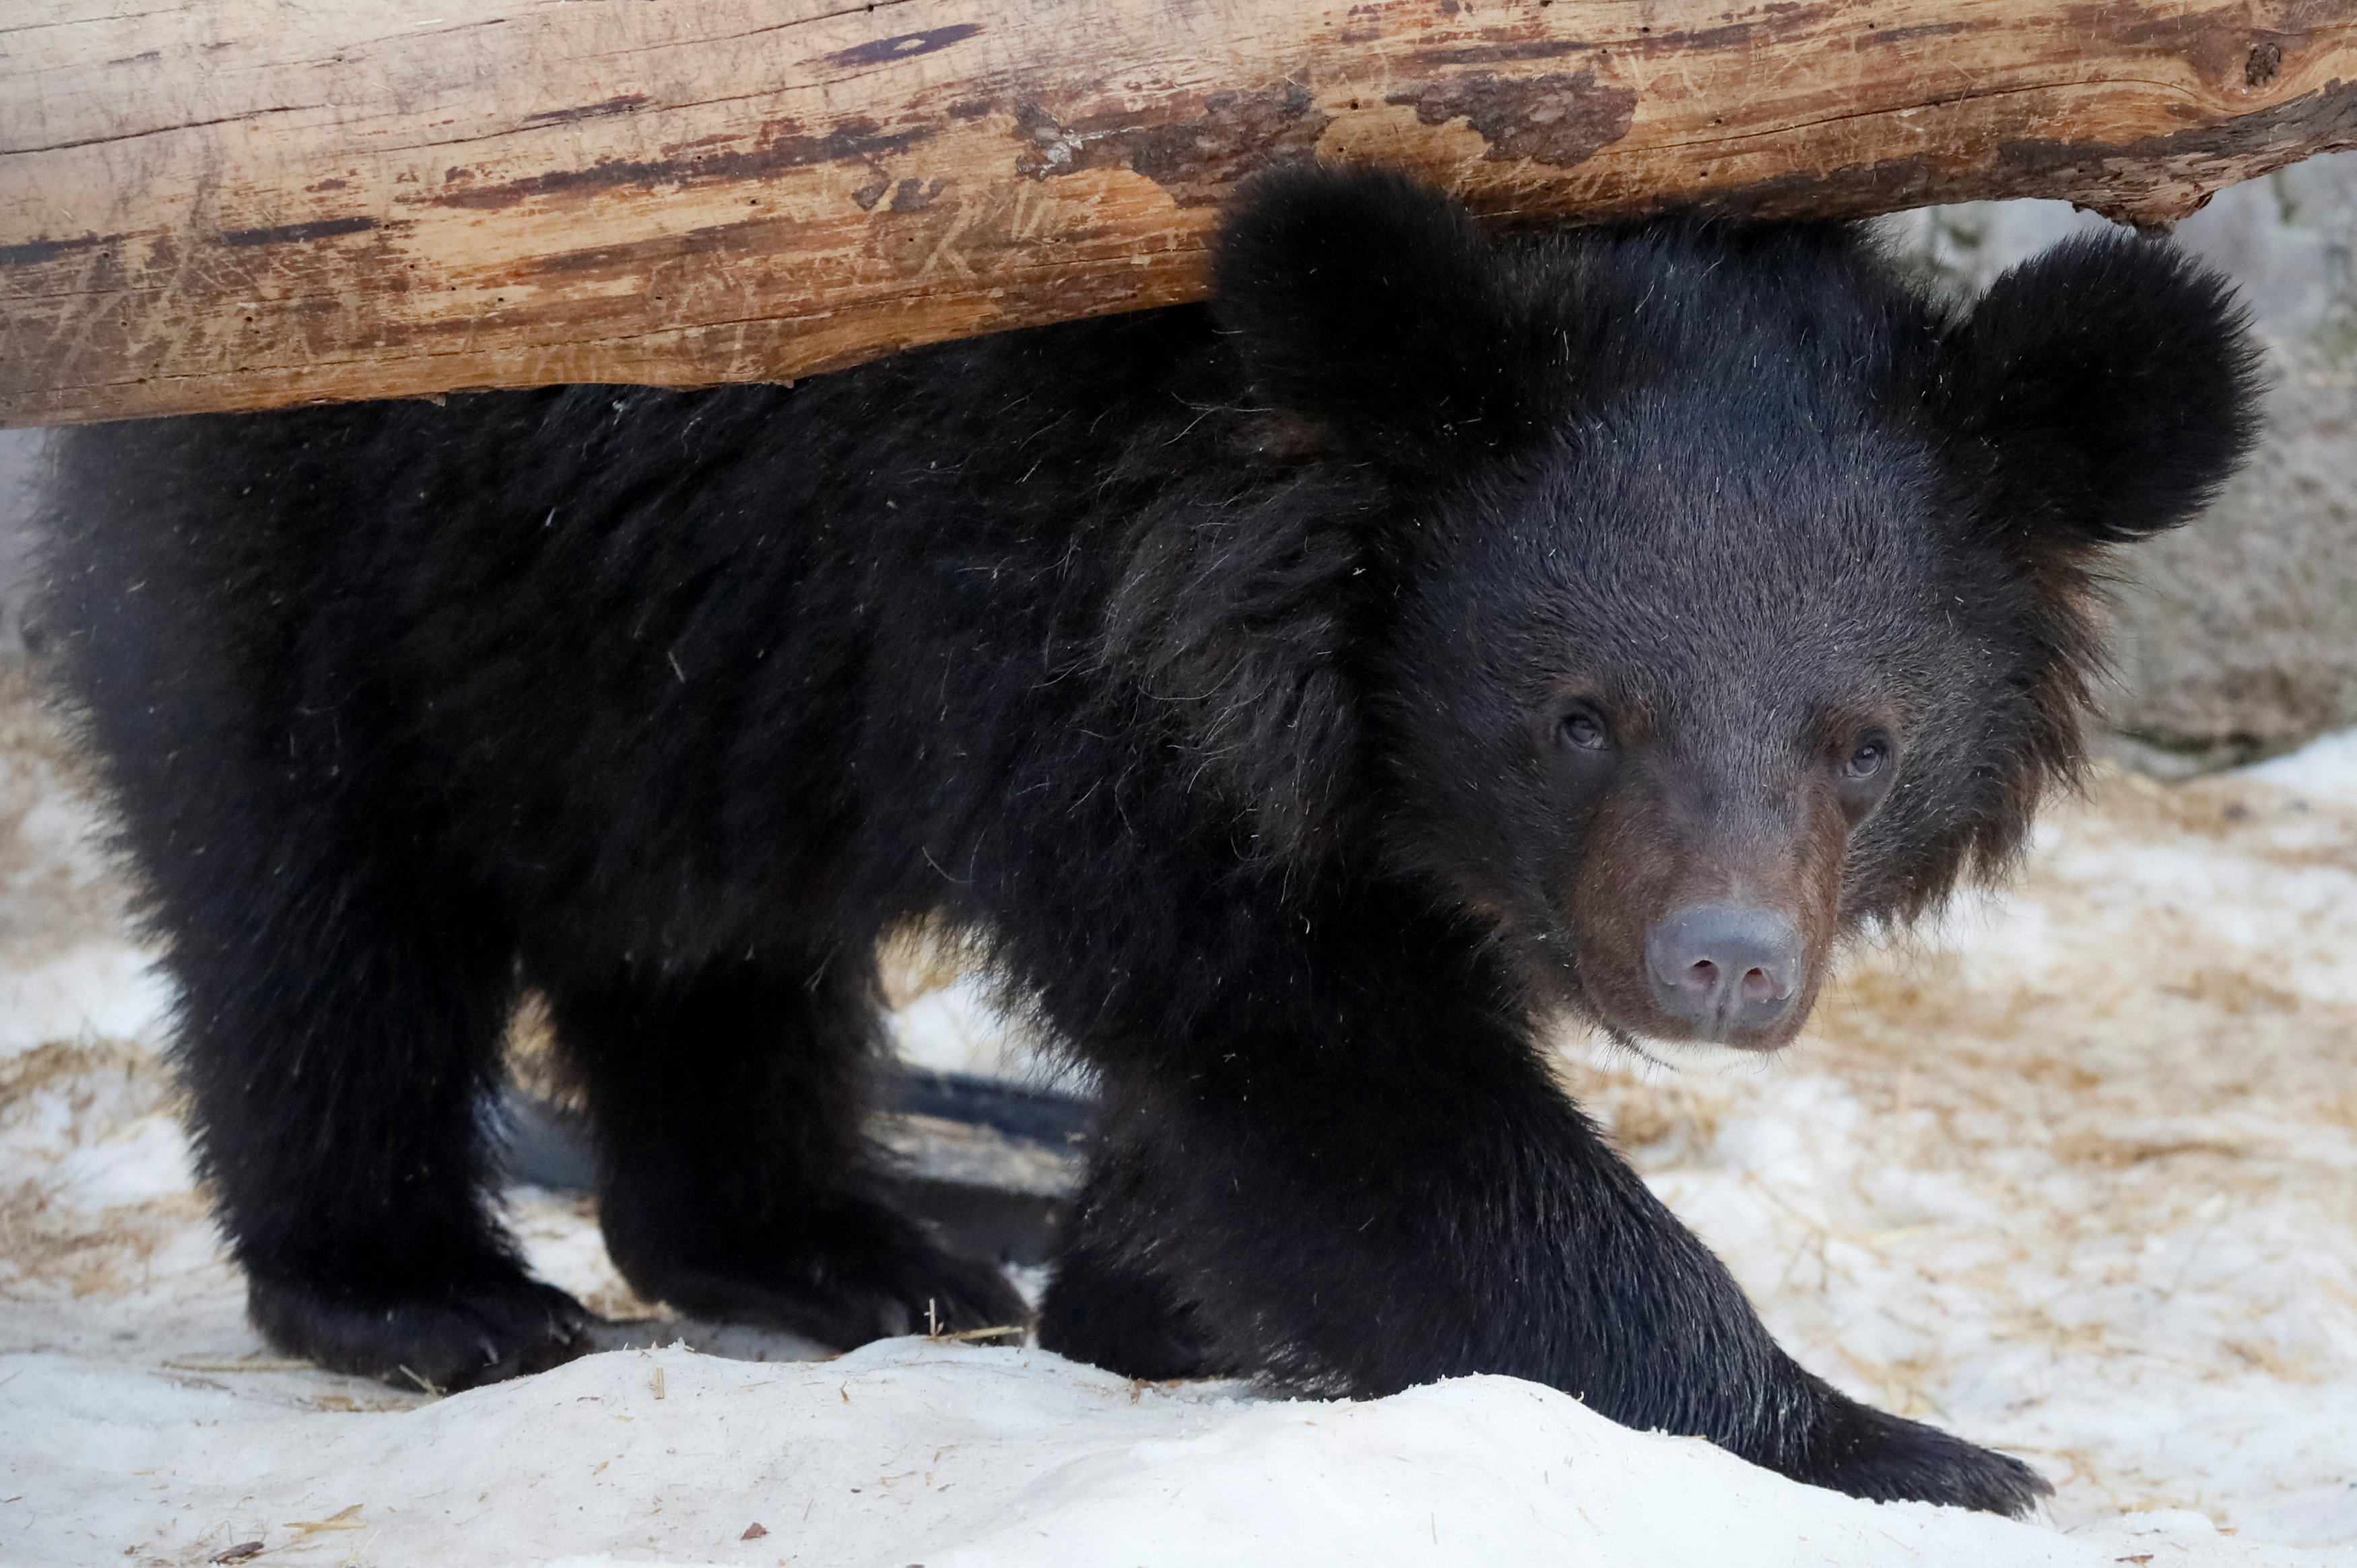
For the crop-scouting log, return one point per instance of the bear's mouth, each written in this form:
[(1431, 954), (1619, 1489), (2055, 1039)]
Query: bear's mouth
[(1657, 1041), (1677, 1056)]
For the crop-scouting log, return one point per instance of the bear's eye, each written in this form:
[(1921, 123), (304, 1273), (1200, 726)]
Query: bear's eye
[(1870, 757), (1583, 730)]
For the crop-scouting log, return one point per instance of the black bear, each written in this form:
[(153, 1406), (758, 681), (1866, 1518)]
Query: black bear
[(1305, 699)]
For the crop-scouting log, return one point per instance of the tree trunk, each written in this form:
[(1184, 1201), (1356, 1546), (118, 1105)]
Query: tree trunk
[(242, 203)]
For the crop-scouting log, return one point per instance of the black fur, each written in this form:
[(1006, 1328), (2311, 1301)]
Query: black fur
[(1208, 666)]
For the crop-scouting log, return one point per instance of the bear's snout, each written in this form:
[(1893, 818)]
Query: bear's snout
[(1704, 902), (1728, 970)]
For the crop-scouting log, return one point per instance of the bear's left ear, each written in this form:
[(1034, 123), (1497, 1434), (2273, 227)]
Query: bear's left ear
[(2104, 389), (1371, 306)]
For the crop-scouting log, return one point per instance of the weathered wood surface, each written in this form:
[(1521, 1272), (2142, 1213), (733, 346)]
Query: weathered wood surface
[(240, 203)]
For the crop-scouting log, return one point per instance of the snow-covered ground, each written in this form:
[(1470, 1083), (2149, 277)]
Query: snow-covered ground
[(2075, 1176)]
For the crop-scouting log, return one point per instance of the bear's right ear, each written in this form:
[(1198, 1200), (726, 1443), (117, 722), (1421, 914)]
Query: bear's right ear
[(2105, 391), (1370, 306)]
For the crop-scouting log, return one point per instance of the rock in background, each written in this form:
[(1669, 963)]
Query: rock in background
[(2236, 637), (19, 456)]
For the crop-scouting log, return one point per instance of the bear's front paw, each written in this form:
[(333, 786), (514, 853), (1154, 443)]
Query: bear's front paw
[(441, 1338), (1869, 1454)]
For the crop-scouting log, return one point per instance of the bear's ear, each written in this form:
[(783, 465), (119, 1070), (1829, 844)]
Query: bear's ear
[(1371, 306), (2109, 386)]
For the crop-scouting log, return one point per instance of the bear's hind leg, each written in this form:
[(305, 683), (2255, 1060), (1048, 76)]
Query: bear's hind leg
[(339, 1036), (735, 1182)]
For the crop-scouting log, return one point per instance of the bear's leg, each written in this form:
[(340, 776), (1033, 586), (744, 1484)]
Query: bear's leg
[(1341, 1252), (1351, 1172), (734, 1183), (340, 1028)]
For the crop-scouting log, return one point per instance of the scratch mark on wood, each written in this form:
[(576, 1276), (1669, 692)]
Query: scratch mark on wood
[(32, 253), (621, 103), (859, 138), (297, 233), (903, 45)]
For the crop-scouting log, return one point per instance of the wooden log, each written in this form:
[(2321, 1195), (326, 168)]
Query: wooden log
[(243, 203)]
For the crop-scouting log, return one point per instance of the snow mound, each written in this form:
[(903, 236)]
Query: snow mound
[(910, 1452)]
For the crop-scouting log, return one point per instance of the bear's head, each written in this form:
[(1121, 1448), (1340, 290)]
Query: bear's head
[(1676, 599)]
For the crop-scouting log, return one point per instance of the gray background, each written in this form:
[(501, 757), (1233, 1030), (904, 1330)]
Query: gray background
[(2235, 637)]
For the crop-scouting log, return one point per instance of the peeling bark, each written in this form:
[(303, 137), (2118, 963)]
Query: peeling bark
[(238, 204)]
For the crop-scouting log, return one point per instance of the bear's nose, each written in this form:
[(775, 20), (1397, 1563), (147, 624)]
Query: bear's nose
[(1726, 969)]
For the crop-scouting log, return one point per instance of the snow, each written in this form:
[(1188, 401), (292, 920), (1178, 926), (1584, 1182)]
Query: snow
[(2327, 768), (95, 990), (961, 1028), (2071, 1174), (909, 1453)]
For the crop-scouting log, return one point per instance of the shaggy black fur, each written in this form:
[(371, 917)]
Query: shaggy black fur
[(1305, 697)]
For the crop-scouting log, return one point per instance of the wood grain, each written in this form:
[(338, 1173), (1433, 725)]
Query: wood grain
[(222, 204)]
